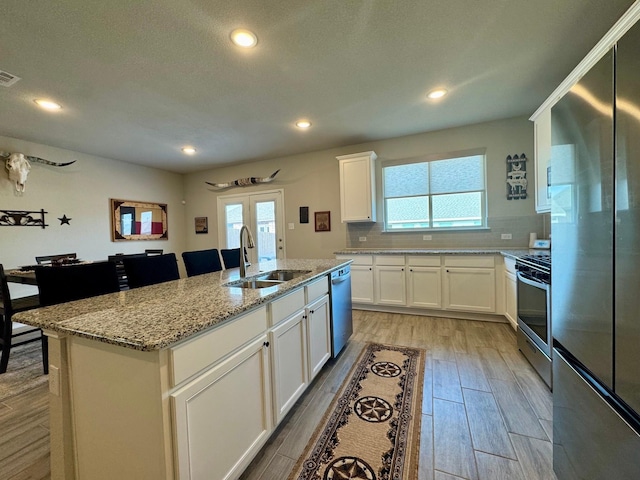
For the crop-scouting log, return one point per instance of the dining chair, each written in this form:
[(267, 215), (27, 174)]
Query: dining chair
[(231, 257), (60, 284), (122, 275), (12, 335), (202, 261), (48, 259), (142, 271)]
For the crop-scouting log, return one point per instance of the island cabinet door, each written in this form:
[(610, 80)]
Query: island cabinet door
[(223, 417), (289, 354), (319, 333)]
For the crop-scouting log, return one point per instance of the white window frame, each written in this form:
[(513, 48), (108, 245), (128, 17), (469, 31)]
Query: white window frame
[(432, 158)]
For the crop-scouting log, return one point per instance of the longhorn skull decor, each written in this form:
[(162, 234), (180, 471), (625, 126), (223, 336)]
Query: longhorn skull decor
[(243, 182), (19, 166)]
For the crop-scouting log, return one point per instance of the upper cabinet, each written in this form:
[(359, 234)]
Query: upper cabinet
[(358, 187), (542, 153)]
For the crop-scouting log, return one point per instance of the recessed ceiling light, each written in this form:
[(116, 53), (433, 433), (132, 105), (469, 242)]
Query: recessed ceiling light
[(303, 124), (439, 93), (47, 104), (244, 38), (189, 150)]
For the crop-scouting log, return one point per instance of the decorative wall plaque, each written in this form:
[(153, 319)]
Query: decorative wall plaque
[(22, 218)]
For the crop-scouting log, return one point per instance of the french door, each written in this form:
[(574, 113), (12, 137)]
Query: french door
[(263, 214)]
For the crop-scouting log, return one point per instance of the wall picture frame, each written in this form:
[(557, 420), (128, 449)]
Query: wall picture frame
[(322, 221), (134, 220), (202, 224)]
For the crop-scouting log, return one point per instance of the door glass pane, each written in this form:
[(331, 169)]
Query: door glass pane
[(233, 224), (265, 234)]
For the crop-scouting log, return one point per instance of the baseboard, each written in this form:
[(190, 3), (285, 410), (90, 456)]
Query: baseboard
[(484, 317)]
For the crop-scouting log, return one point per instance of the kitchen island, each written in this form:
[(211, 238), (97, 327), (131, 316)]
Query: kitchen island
[(184, 379)]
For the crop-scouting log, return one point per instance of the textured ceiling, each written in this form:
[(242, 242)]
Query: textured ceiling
[(140, 79)]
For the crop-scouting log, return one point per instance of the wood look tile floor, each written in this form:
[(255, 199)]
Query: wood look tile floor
[(486, 415)]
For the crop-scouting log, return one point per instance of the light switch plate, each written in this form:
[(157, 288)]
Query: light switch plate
[(427, 237), (362, 239), (292, 226), (506, 236)]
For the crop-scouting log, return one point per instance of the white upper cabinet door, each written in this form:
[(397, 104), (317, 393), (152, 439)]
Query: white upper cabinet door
[(542, 134), (358, 187)]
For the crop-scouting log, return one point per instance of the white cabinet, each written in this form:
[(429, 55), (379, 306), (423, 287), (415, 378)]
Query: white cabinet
[(358, 187), (469, 283), (390, 280), (290, 370), (361, 278), (318, 335), (510, 292), (424, 282), (542, 153), (234, 396)]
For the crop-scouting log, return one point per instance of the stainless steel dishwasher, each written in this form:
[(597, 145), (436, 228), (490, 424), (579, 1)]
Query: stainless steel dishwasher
[(341, 319)]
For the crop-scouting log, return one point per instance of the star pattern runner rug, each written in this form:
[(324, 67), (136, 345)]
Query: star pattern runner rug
[(371, 431)]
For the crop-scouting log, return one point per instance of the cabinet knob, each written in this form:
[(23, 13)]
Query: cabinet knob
[(411, 269), (266, 344), (369, 268), (313, 311)]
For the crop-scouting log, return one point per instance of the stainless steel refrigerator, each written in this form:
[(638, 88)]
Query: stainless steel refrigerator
[(595, 285)]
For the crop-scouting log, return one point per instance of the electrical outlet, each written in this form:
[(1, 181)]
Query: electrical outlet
[(362, 239), (427, 237), (292, 226), (505, 236)]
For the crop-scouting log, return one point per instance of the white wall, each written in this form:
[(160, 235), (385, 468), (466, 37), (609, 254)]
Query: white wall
[(312, 179), (82, 191)]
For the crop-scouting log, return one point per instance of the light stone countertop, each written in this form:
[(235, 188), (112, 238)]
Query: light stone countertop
[(158, 316), (513, 253)]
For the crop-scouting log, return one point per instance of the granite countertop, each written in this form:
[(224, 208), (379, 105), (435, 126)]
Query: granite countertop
[(157, 316), (514, 253)]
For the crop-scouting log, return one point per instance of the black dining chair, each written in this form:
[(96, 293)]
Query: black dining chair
[(122, 275), (144, 271), (11, 337), (59, 258), (60, 284), (202, 261), (231, 257)]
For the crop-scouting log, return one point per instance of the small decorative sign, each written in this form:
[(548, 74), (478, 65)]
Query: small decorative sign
[(22, 218), (202, 224), (516, 177), (323, 221)]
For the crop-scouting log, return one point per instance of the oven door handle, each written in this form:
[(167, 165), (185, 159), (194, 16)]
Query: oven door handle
[(529, 281)]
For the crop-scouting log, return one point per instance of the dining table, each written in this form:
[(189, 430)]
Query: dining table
[(26, 277)]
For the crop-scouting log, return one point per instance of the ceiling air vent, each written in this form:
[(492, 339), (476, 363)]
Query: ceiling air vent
[(7, 79)]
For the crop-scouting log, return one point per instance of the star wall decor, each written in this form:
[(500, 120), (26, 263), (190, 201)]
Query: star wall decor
[(64, 219)]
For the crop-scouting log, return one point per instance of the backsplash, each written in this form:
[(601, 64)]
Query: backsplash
[(518, 226)]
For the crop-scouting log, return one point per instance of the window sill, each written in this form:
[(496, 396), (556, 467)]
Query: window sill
[(440, 230)]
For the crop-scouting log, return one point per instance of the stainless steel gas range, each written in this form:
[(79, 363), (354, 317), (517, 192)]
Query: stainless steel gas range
[(534, 311)]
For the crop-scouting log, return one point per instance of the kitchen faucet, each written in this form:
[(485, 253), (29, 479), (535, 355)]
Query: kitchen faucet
[(243, 262)]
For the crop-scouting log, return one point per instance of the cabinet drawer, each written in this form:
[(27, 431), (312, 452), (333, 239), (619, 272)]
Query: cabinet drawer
[(390, 260), (357, 259), (207, 348), (424, 261), (469, 261), (285, 306), (317, 289)]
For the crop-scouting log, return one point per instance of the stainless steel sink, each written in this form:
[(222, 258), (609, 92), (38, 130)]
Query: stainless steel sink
[(253, 283), (283, 275), (267, 279)]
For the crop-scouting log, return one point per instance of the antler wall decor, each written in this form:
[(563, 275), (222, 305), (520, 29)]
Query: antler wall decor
[(243, 182), (19, 166)]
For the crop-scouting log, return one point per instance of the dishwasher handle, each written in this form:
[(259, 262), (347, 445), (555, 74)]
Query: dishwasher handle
[(337, 280)]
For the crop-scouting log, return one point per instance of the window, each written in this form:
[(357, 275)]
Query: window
[(435, 194)]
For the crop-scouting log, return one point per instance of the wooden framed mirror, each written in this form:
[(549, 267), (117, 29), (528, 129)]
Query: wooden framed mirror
[(133, 220)]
